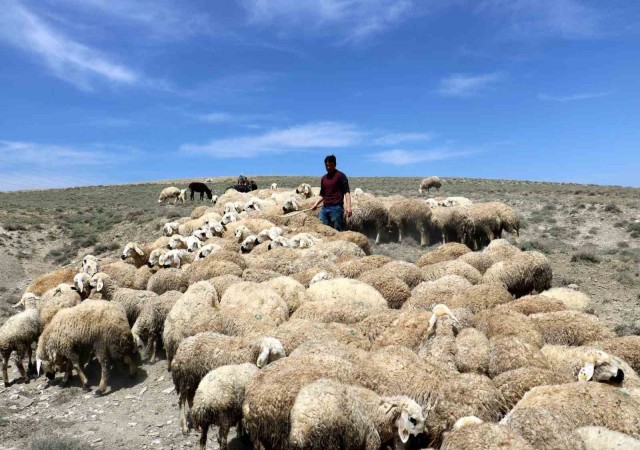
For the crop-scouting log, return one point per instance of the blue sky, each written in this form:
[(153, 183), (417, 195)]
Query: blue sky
[(97, 91)]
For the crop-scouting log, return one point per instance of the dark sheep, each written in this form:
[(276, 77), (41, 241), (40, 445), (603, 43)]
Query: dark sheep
[(201, 188)]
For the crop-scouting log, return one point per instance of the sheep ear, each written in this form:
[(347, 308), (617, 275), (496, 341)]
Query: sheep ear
[(138, 251), (99, 285), (403, 426), (586, 373), (432, 322)]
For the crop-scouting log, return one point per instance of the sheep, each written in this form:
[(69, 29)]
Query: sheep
[(327, 414), (248, 243), (454, 223), (268, 234), (393, 289), (500, 250), (168, 280), (131, 300), (587, 404), (521, 274), (170, 228), (368, 212), (543, 429), (440, 349), (50, 280), (457, 201), (406, 328), (222, 283), (218, 401), (406, 271), (148, 327), (483, 436), (509, 352), (588, 363), (139, 255), (354, 237), (357, 192), (194, 312), (340, 300), (291, 291), (52, 301), (445, 252), (533, 304), (570, 328), (203, 269), (206, 351), (249, 308), (434, 271), (93, 327), (571, 298), (472, 352), (429, 293), (340, 248), (504, 322), (173, 192), (90, 264), (601, 438), (480, 297), (174, 258), (513, 384), (487, 222), (410, 213), (274, 186), (481, 261), (624, 347), (18, 333), (82, 284), (154, 258), (124, 274), (430, 182), (355, 267)]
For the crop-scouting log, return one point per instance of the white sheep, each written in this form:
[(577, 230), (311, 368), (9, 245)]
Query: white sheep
[(358, 192), (274, 186), (90, 264), (173, 192), (218, 401), (172, 258), (430, 182), (269, 234), (206, 250), (132, 300), (170, 228), (18, 333)]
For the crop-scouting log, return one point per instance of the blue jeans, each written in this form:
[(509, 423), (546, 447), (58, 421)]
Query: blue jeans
[(332, 216)]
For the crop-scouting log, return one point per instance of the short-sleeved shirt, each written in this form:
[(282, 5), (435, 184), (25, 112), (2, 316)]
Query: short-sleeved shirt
[(333, 187)]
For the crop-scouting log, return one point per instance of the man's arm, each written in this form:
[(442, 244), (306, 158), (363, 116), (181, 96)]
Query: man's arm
[(317, 202), (347, 204)]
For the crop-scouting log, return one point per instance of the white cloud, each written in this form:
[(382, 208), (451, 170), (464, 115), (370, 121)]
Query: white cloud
[(539, 18), (45, 179), (399, 157), (357, 19), (399, 138), (302, 137), (466, 85), (572, 97), (66, 58), (228, 118), (14, 153)]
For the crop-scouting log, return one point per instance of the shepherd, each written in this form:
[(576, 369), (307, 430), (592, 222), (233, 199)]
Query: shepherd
[(335, 193)]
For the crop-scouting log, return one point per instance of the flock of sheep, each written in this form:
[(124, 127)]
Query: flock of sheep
[(302, 339)]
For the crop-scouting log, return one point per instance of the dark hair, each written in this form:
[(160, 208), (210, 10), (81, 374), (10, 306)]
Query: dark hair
[(330, 159)]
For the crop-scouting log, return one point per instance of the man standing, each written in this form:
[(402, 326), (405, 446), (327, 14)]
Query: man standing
[(334, 187)]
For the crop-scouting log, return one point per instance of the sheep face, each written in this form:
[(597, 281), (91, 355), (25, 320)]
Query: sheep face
[(600, 366), (230, 207), (203, 233), (274, 186), (170, 228), (290, 205), (155, 256), (176, 242), (229, 217), (171, 259), (241, 232), (214, 199), (271, 349), (207, 250), (193, 244), (247, 245), (406, 416), (279, 241), (320, 276), (90, 265), (130, 249), (82, 283)]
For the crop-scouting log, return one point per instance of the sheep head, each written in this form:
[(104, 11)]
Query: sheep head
[(404, 414), (440, 310), (290, 205), (90, 264), (130, 249), (154, 257), (600, 366), (269, 349), (207, 250), (249, 242)]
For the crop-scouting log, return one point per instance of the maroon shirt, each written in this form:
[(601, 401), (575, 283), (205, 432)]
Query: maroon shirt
[(333, 187)]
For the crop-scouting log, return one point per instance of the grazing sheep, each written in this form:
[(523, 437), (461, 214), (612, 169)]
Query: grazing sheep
[(454, 223), (63, 296), (513, 384), (484, 436), (410, 213), (18, 333), (543, 429), (480, 297), (173, 192), (194, 312), (521, 274), (444, 252), (587, 404), (434, 271), (487, 221), (340, 300), (330, 415), (571, 298), (393, 289), (131, 300), (570, 328), (206, 351), (148, 327), (368, 212), (218, 401), (93, 327), (49, 281), (430, 182)]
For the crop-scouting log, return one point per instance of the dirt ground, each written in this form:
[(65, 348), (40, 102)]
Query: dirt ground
[(590, 234)]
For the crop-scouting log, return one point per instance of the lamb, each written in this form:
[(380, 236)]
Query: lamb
[(330, 415), (173, 192), (206, 351), (368, 212), (340, 300), (587, 404), (131, 300), (97, 327), (521, 274), (148, 327), (444, 252), (430, 182), (274, 186), (194, 312), (218, 401), (570, 328), (168, 280), (410, 213), (18, 333)]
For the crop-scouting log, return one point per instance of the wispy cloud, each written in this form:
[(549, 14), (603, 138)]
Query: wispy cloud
[(298, 138), (228, 118), (400, 138), (540, 18), (15, 153), (66, 58), (356, 20), (399, 157), (467, 85), (45, 179), (572, 97)]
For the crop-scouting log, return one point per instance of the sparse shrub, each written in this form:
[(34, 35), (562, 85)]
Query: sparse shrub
[(63, 254), (627, 329), (627, 278), (585, 255), (593, 230), (534, 245), (87, 241), (612, 208), (633, 227), (57, 443), (591, 208), (14, 226), (620, 224), (623, 244), (3, 289), (102, 248)]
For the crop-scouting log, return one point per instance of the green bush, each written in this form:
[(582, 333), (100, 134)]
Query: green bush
[(57, 443), (101, 248), (585, 256), (612, 208)]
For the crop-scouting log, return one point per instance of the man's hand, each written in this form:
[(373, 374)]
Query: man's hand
[(348, 211)]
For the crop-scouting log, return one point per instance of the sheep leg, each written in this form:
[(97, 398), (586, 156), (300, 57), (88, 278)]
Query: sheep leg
[(104, 376), (203, 437), (183, 415), (133, 367), (152, 351), (66, 379), (400, 229), (30, 366), (223, 432), (18, 359), (5, 367), (75, 362)]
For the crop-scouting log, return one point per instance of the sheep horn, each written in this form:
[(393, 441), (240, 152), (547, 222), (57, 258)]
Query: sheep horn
[(38, 365)]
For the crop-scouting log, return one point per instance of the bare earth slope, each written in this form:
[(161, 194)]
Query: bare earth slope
[(590, 233)]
